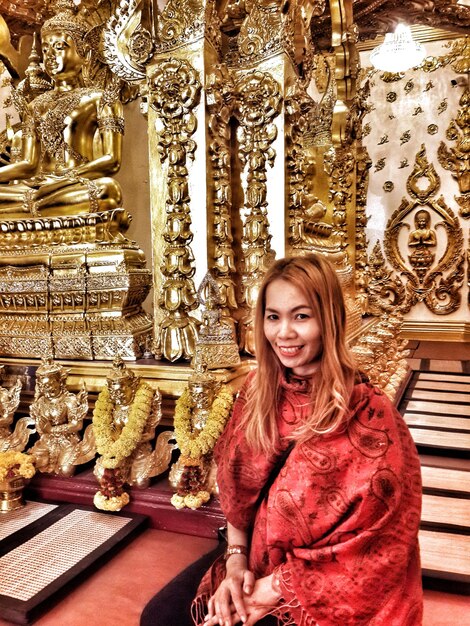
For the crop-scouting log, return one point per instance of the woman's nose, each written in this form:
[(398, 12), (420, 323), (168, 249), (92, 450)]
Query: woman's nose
[(286, 328)]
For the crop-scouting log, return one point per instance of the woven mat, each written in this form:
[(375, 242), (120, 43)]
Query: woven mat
[(47, 550), (15, 520)]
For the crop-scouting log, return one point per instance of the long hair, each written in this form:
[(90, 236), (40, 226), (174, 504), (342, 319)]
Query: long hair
[(316, 277)]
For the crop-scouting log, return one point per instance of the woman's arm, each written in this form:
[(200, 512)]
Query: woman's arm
[(239, 580)]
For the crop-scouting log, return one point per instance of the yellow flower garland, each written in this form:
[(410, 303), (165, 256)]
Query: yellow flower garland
[(114, 450), (10, 459), (194, 445), (110, 504)]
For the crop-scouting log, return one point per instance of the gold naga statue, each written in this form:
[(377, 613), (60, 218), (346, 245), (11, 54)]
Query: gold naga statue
[(201, 413), (68, 275), (9, 401), (58, 415), (126, 414)]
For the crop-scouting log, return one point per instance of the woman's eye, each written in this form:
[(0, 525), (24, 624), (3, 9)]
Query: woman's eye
[(302, 316), (271, 317)]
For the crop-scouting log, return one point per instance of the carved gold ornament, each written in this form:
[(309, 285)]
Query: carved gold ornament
[(215, 346), (435, 281), (457, 159), (380, 164), (442, 106), (363, 165), (405, 137), (219, 98), (174, 92), (258, 103)]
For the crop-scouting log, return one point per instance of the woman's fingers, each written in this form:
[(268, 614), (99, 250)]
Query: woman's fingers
[(223, 606), (248, 582), (238, 603)]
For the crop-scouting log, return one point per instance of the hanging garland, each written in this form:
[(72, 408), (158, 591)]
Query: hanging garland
[(114, 450), (194, 445)]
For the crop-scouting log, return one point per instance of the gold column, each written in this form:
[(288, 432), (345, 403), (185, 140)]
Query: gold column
[(181, 168)]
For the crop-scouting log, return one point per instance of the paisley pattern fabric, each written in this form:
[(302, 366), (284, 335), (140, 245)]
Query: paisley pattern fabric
[(339, 526)]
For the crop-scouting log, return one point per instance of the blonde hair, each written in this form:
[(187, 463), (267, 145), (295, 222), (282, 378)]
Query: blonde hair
[(316, 278)]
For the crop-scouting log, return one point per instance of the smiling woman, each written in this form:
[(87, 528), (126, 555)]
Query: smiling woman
[(318, 478)]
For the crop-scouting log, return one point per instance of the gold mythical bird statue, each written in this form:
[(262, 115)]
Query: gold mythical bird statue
[(125, 417), (9, 401), (200, 417), (58, 415)]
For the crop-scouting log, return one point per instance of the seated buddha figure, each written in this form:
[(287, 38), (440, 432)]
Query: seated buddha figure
[(64, 166), (58, 415), (125, 417)]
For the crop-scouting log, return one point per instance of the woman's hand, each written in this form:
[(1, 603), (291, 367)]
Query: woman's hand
[(227, 606), (256, 605)]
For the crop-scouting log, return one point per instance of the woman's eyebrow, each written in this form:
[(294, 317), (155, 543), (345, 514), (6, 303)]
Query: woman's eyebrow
[(296, 308)]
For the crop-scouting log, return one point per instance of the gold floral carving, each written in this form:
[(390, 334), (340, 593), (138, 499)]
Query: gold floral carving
[(458, 57), (457, 159), (340, 165), (219, 95), (258, 103), (264, 29), (363, 165), (382, 354), (174, 92), (425, 276)]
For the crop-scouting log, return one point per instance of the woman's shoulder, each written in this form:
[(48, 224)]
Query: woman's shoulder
[(367, 396)]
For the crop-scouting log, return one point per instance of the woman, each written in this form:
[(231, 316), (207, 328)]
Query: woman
[(334, 540)]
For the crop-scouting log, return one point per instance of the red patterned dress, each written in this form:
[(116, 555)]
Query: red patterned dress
[(339, 527)]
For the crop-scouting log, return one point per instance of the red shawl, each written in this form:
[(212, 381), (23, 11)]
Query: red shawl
[(339, 526)]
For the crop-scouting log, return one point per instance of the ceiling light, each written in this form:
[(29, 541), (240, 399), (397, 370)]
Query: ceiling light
[(399, 52)]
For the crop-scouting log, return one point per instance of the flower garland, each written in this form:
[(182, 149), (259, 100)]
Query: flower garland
[(114, 450), (195, 445), (16, 464), (115, 503)]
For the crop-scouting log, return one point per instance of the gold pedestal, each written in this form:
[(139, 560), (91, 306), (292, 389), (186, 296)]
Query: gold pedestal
[(73, 285), (11, 494)]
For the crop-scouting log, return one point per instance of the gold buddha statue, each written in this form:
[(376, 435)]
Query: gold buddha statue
[(9, 401), (126, 415), (62, 169), (58, 415), (67, 272)]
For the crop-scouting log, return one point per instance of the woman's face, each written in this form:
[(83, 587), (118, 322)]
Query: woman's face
[(291, 328)]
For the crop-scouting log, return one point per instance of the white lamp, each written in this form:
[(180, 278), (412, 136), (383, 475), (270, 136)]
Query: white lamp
[(399, 52)]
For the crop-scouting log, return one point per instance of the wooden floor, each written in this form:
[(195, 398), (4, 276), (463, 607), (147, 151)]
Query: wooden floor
[(436, 407)]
